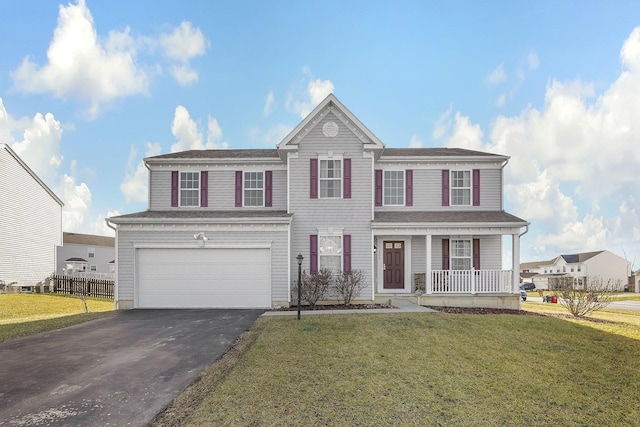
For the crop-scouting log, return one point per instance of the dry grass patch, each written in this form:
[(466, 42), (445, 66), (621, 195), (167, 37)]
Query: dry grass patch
[(27, 314), (425, 369)]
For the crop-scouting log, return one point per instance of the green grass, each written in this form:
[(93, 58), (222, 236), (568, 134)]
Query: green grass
[(425, 369), (27, 314)]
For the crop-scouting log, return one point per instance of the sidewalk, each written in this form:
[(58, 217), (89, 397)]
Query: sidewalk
[(399, 306)]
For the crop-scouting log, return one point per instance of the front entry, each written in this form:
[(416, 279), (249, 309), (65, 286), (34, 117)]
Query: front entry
[(393, 267)]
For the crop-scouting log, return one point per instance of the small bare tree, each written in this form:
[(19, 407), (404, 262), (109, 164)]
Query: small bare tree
[(583, 296), (349, 284), (315, 286)]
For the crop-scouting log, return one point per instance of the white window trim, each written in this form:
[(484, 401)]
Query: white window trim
[(404, 187), (331, 233), (180, 189), (451, 187), (244, 188), (451, 252), (334, 157), (91, 252)]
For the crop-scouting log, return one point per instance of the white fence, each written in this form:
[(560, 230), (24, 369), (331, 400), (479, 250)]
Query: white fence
[(471, 281)]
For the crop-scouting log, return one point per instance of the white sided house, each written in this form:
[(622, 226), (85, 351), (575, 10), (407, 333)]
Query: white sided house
[(30, 225), (604, 265), (224, 227), (86, 255)]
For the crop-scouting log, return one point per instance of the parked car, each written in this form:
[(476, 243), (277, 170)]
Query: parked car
[(523, 295), (528, 286)]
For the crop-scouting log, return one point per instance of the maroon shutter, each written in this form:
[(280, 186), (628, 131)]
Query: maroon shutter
[(445, 254), (238, 189), (174, 189), (313, 252), (313, 180), (267, 188), (476, 254), (346, 250), (409, 187), (204, 189), (476, 187), (378, 179), (445, 187), (347, 179)]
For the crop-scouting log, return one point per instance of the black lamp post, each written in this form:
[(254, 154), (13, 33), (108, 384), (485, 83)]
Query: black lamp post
[(299, 258)]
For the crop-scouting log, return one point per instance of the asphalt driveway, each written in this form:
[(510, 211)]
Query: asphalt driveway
[(120, 370)]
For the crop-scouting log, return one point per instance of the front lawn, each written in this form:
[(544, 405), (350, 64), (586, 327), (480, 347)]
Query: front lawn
[(420, 369), (27, 314)]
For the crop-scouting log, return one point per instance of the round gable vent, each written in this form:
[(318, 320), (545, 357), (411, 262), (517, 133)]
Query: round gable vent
[(330, 129)]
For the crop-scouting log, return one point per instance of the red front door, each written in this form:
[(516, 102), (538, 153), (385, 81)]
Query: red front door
[(393, 256)]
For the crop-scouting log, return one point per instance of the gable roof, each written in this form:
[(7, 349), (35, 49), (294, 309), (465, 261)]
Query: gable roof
[(30, 172), (582, 257), (330, 104), (88, 239)]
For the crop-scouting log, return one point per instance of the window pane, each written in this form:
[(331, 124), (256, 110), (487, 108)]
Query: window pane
[(331, 178), (332, 263), (253, 189), (394, 187), (189, 189), (330, 245)]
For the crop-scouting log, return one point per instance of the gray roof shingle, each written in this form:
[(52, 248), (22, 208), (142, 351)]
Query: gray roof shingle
[(220, 154), (446, 217), (203, 214)]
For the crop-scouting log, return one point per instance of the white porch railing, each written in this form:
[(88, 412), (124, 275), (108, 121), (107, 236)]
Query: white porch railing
[(470, 281)]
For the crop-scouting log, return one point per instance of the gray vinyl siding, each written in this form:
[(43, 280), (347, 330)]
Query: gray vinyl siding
[(221, 189), (352, 216), (427, 189), (418, 258), (30, 225), (182, 236)]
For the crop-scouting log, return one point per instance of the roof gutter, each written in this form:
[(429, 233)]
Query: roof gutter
[(526, 230)]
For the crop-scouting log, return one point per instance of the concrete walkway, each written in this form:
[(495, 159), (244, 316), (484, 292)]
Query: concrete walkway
[(399, 305)]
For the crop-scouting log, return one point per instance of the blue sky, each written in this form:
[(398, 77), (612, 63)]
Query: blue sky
[(88, 89)]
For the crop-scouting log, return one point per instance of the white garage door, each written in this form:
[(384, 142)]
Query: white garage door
[(203, 278)]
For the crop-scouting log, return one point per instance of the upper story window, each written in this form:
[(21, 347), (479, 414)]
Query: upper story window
[(461, 188), (394, 188), (461, 254), (330, 178), (330, 252), (189, 188), (253, 189), (91, 252)]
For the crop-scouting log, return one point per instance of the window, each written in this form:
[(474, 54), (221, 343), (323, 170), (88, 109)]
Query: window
[(253, 189), (93, 268), (331, 178), (579, 268), (461, 254), (330, 252), (91, 252), (564, 268), (189, 188), (394, 188), (461, 188)]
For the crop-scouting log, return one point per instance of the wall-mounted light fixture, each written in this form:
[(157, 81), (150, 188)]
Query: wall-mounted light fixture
[(375, 249), (200, 236)]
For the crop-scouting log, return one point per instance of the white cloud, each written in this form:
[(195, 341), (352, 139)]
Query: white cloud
[(533, 61), (270, 137), (415, 142), (81, 65), (190, 137), (568, 158), (268, 104), (100, 69), (496, 76), (181, 45), (135, 185), (316, 90)]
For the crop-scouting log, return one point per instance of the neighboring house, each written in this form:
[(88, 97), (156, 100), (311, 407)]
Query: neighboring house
[(602, 264), (86, 254), (223, 227), (30, 223)]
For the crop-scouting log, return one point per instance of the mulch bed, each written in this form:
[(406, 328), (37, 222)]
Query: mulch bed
[(334, 307)]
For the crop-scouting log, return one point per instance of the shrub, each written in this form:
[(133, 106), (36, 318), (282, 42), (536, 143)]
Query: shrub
[(583, 296), (348, 284), (315, 286)]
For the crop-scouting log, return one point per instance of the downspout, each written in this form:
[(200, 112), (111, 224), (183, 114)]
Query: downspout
[(115, 279)]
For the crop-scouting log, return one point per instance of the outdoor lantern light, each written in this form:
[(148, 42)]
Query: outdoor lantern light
[(375, 249), (299, 258)]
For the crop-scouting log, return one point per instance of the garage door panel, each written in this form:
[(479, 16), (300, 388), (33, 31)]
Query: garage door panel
[(204, 278)]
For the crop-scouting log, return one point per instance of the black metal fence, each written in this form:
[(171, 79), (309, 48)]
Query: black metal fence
[(87, 286)]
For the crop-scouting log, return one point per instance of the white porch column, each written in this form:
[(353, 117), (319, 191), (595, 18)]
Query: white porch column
[(515, 262), (427, 276)]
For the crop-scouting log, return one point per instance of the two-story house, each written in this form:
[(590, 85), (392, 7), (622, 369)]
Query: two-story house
[(224, 227), (86, 255)]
